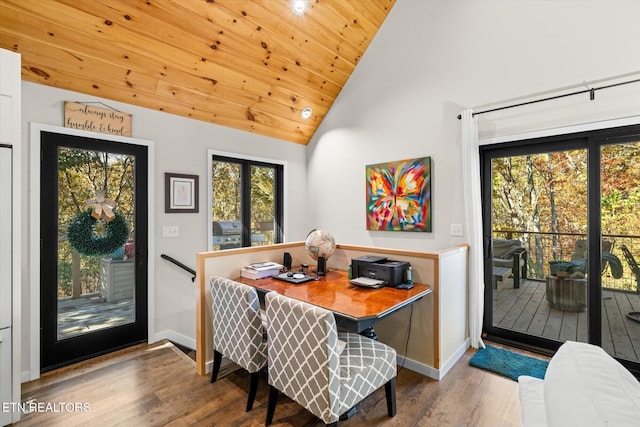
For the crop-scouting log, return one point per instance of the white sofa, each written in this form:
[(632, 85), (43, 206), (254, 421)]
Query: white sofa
[(583, 386)]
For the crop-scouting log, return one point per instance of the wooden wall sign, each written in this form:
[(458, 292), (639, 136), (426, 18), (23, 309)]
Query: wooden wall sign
[(94, 119)]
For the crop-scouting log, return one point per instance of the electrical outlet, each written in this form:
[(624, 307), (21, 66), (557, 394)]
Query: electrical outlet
[(170, 231), (456, 229)]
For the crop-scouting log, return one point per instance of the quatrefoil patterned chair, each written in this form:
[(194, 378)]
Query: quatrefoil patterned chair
[(305, 362), (238, 331)]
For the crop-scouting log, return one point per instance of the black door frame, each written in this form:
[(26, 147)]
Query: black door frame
[(54, 353), (591, 141)]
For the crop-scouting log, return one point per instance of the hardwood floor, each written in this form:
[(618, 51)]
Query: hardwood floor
[(157, 385)]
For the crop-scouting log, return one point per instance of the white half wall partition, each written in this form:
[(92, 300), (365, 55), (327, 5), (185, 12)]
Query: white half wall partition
[(429, 336)]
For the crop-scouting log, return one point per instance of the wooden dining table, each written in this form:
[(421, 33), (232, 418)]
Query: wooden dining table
[(356, 308)]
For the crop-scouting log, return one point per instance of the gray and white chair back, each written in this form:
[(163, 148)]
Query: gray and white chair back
[(306, 365), (238, 332)]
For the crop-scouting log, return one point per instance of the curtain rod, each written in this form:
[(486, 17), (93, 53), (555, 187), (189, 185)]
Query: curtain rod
[(591, 92)]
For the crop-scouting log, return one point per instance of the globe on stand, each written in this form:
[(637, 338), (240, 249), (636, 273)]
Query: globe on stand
[(320, 243)]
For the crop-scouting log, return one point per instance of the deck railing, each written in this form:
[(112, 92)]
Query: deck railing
[(544, 247)]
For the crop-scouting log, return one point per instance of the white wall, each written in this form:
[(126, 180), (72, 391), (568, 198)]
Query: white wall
[(430, 60), (181, 146)]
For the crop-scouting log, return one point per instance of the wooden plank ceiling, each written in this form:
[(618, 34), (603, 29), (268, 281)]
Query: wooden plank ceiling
[(247, 64)]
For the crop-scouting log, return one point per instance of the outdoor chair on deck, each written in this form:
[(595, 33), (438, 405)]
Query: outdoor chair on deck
[(509, 255), (567, 283), (238, 330), (635, 269), (580, 252)]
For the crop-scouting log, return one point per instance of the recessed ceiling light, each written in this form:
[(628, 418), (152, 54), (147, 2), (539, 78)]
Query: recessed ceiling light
[(306, 113), (299, 7)]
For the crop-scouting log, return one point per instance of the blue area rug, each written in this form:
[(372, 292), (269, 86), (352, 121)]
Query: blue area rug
[(508, 363)]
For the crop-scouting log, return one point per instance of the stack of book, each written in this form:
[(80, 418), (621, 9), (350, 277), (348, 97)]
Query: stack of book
[(260, 270)]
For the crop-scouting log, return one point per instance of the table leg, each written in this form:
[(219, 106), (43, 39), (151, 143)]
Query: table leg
[(369, 333), (350, 413)]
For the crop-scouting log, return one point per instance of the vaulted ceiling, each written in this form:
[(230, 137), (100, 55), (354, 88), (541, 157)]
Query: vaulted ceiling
[(252, 65)]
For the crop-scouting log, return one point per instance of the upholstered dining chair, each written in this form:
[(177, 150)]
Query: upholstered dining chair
[(307, 364), (238, 331)]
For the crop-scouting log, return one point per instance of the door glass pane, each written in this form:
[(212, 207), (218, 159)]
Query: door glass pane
[(96, 278), (539, 229), (226, 209), (263, 190), (620, 198)]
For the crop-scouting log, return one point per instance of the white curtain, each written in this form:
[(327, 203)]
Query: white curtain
[(473, 209)]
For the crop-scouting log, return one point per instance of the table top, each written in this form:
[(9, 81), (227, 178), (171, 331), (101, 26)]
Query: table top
[(334, 292)]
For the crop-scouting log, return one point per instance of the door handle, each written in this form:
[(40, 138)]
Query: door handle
[(488, 247)]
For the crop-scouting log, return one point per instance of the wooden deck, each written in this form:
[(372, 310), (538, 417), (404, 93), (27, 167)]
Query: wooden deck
[(90, 313), (526, 310)]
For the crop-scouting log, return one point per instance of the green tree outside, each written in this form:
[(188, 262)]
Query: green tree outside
[(542, 200), (80, 174)]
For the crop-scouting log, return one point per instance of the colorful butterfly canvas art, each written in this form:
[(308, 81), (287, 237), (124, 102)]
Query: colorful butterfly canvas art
[(399, 195)]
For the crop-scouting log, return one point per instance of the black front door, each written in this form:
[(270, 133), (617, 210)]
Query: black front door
[(93, 263)]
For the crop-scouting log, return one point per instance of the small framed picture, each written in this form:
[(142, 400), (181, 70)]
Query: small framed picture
[(180, 193)]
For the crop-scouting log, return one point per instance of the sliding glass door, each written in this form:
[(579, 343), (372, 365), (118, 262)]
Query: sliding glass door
[(620, 231), (562, 239), (538, 214)]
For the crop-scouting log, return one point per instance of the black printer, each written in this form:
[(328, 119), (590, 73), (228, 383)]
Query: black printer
[(392, 273)]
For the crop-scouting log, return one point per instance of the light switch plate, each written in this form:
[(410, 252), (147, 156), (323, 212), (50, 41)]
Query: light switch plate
[(170, 231), (456, 229)]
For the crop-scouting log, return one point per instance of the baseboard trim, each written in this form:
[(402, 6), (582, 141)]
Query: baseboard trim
[(455, 357), (419, 367), (173, 337), (430, 371), (27, 376), (226, 367)]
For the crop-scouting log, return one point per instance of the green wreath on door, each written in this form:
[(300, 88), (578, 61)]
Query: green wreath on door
[(84, 240)]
